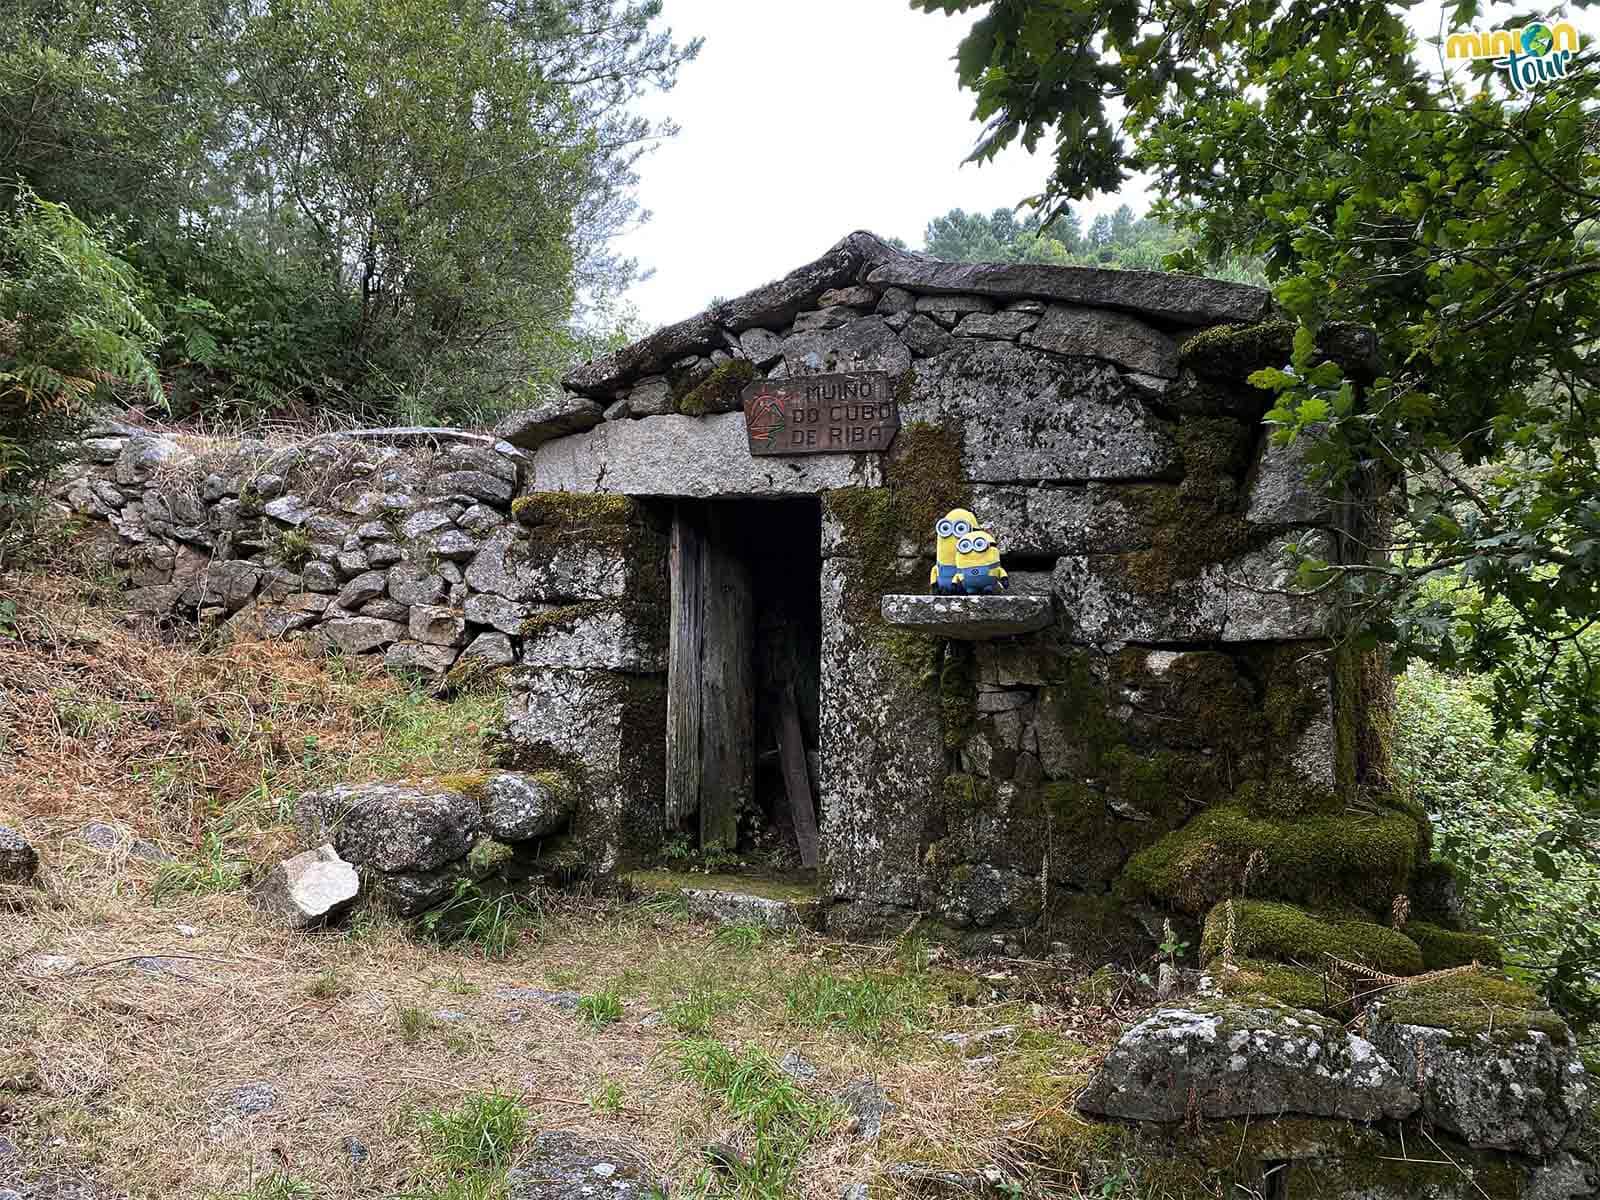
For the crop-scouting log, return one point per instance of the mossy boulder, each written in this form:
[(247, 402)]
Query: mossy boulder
[(573, 508), (1226, 1058), (1284, 933), (1494, 1067), (1320, 860), (1295, 986), (1453, 948), (1470, 1002)]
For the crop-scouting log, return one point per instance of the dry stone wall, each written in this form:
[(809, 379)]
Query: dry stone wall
[(410, 544)]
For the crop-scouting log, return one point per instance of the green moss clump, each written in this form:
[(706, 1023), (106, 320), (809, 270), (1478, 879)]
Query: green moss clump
[(472, 784), (924, 482), (1448, 948), (1197, 523), (1473, 1002), (719, 391), (558, 783), (1322, 860), (1282, 932), (660, 882), (958, 693), (1234, 351), (487, 857), (564, 616), (1294, 986), (573, 508)]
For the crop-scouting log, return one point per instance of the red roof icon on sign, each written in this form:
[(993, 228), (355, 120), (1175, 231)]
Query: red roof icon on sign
[(765, 418)]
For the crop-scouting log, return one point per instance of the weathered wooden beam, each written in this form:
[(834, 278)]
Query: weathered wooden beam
[(727, 687), (687, 560), (796, 782)]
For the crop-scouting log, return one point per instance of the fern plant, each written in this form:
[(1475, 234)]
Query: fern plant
[(72, 326)]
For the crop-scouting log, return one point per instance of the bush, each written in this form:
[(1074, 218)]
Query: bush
[(1494, 824), (72, 330)]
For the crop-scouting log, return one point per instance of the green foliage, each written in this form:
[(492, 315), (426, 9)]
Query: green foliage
[(600, 1008), (399, 210), (1118, 240), (781, 1120), (482, 1131), (1520, 876), (72, 330), (491, 921), (213, 872), (1266, 930), (1428, 202)]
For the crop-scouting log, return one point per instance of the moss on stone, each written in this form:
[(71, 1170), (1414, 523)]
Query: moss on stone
[(658, 882), (1363, 719), (924, 481), (472, 784), (573, 508), (558, 784), (1264, 929), (1450, 948), (1286, 984), (562, 617), (1198, 523), (963, 794), (1474, 1002), (958, 693), (1322, 860), (488, 856), (1234, 351), (1436, 894), (718, 391)]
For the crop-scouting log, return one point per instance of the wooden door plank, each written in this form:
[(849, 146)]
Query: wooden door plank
[(796, 780), (687, 558), (727, 691)]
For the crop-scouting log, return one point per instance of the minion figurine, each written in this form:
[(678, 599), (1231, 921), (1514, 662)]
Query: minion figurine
[(978, 569), (956, 524)]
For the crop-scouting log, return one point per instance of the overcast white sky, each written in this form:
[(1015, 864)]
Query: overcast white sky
[(802, 121)]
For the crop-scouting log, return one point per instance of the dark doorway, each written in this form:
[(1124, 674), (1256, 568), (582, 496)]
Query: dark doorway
[(744, 673)]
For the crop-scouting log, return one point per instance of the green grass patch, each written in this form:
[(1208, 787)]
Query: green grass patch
[(211, 873), (483, 1131), (877, 1006), (600, 1008), (779, 1120), (490, 922), (413, 1023), (277, 1186)]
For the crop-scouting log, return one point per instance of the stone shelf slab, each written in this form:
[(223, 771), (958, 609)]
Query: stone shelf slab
[(969, 618)]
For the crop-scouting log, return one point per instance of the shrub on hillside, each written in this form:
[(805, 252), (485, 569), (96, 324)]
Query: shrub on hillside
[(1496, 826), (71, 329)]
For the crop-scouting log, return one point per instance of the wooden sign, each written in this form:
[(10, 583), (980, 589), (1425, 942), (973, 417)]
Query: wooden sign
[(821, 414)]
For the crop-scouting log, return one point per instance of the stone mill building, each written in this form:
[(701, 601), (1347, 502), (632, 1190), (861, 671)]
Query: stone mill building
[(1179, 719)]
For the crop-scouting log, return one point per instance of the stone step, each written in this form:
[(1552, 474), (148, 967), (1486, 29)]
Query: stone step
[(737, 899)]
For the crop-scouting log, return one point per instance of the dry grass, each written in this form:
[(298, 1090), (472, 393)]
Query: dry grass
[(119, 1065)]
